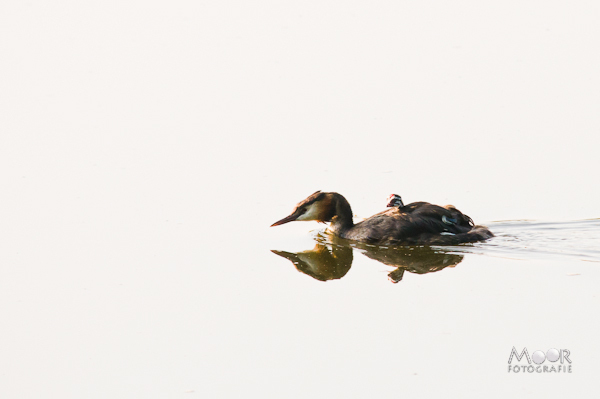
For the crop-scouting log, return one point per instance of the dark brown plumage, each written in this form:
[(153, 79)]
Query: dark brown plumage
[(418, 223)]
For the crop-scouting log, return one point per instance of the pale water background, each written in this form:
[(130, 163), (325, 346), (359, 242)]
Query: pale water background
[(147, 146)]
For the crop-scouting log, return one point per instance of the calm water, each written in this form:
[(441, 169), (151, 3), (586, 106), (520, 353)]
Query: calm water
[(146, 150)]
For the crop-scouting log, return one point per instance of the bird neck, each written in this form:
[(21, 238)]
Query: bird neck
[(342, 215)]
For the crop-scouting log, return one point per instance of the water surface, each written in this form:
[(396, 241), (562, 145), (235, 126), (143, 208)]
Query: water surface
[(146, 148)]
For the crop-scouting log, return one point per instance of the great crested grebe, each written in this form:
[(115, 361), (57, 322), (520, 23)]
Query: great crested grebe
[(418, 223), (395, 200)]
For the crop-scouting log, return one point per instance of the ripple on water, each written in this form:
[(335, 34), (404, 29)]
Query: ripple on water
[(523, 239)]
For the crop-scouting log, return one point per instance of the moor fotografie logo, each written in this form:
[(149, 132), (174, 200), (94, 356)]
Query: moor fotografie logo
[(557, 361)]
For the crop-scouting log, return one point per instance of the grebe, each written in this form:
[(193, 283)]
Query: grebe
[(395, 200), (418, 223)]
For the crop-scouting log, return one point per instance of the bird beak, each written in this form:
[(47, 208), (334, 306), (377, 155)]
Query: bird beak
[(287, 255), (285, 220), (391, 200)]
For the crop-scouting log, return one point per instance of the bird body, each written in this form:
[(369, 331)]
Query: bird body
[(418, 223)]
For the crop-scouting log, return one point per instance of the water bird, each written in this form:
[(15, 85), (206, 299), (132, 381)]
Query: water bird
[(394, 200), (418, 223)]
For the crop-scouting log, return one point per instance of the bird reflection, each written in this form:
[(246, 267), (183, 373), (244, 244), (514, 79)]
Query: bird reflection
[(331, 258), (322, 262)]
